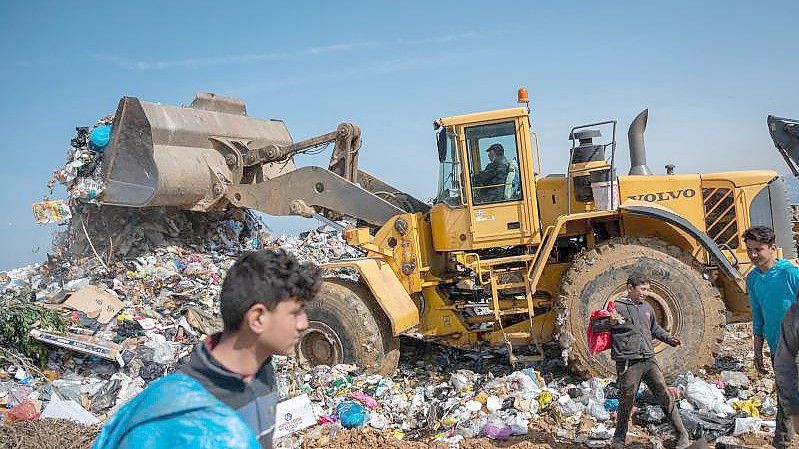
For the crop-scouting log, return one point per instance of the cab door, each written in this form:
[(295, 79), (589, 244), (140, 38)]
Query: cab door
[(499, 196)]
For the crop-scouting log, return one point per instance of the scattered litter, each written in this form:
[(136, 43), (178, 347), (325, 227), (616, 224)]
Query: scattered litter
[(82, 343), (293, 415), (51, 211), (735, 378), (67, 409), (95, 303), (751, 425), (351, 414)]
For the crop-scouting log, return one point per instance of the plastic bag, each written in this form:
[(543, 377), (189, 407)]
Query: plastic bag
[(751, 407), (497, 430), (351, 414), (746, 425), (597, 410), (706, 397), (567, 406), (24, 411), (106, 397), (99, 137), (365, 399), (519, 425), (493, 403), (706, 425), (650, 414), (600, 341)]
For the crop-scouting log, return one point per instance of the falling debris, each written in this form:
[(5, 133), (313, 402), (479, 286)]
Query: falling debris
[(50, 211)]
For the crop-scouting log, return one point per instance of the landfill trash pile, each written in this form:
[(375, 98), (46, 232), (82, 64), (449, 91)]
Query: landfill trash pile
[(435, 398), (123, 295)]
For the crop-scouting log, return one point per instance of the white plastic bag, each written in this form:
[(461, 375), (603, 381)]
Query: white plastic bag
[(746, 425), (706, 397), (598, 411)]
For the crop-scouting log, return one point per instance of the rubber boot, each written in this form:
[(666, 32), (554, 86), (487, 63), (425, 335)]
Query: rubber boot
[(617, 444), (683, 441)]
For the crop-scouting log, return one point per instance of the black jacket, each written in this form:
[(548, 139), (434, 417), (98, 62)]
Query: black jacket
[(495, 174), (633, 339), (255, 401), (785, 363)]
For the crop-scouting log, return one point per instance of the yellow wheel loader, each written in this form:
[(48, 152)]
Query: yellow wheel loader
[(504, 256)]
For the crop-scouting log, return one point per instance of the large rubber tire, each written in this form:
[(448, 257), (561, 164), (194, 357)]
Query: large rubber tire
[(685, 303), (347, 326)]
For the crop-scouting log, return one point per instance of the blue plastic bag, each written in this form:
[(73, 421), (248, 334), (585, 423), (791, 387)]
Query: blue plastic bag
[(351, 414), (175, 412), (612, 405), (99, 137)]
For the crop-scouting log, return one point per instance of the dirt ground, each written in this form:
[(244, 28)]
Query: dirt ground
[(47, 434)]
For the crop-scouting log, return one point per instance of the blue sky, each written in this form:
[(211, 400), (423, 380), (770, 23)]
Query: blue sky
[(709, 72)]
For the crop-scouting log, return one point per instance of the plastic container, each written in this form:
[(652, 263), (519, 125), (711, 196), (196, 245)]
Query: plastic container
[(605, 196)]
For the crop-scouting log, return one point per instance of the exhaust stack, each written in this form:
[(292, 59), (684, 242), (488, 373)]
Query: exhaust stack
[(635, 136)]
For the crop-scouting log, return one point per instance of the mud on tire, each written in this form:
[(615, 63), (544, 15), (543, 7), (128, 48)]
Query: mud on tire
[(685, 303), (347, 326)]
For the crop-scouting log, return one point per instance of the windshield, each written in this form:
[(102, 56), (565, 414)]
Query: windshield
[(449, 180), (493, 163)]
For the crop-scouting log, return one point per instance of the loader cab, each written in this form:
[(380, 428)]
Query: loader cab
[(486, 195)]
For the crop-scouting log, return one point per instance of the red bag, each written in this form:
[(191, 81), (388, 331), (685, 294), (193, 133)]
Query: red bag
[(600, 341), (24, 411)]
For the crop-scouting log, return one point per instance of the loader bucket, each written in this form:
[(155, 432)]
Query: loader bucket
[(785, 134), (161, 155)]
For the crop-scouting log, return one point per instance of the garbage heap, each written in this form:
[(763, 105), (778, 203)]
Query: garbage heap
[(447, 396), (123, 295), (126, 293)]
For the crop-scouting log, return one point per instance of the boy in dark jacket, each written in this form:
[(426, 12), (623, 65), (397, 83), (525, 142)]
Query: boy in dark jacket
[(634, 354), (263, 311)]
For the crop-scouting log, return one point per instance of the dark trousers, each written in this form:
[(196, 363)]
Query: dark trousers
[(784, 431), (628, 377)]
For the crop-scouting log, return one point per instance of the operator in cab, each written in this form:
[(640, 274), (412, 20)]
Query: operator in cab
[(492, 178)]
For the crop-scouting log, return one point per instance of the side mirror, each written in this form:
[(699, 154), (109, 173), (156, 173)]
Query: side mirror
[(441, 143)]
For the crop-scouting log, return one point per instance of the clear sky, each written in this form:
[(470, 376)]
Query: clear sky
[(709, 72)]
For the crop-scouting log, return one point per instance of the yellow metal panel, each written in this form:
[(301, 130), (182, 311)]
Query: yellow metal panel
[(742, 178), (450, 228), (440, 321), (482, 116), (402, 312), (682, 194), (491, 221)]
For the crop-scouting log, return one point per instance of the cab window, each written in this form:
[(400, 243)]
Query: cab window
[(449, 181), (493, 163)]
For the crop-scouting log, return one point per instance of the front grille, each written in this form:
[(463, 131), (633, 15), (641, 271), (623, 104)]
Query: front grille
[(720, 220)]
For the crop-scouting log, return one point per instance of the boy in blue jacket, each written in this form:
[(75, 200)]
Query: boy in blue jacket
[(225, 397), (772, 285)]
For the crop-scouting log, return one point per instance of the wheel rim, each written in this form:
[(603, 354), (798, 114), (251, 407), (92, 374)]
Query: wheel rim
[(668, 312), (320, 345)]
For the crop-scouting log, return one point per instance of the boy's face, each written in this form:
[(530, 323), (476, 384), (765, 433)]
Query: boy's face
[(278, 330), (762, 255), (639, 292)]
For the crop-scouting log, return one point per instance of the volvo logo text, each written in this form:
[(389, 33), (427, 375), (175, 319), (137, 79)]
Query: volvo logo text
[(664, 196)]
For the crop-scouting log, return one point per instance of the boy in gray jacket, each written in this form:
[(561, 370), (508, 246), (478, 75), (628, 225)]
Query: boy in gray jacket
[(634, 354)]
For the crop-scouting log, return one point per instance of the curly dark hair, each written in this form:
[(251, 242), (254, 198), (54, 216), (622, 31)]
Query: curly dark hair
[(760, 234), (268, 277), (637, 278)]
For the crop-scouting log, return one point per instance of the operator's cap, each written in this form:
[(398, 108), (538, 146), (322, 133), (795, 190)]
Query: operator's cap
[(498, 147)]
